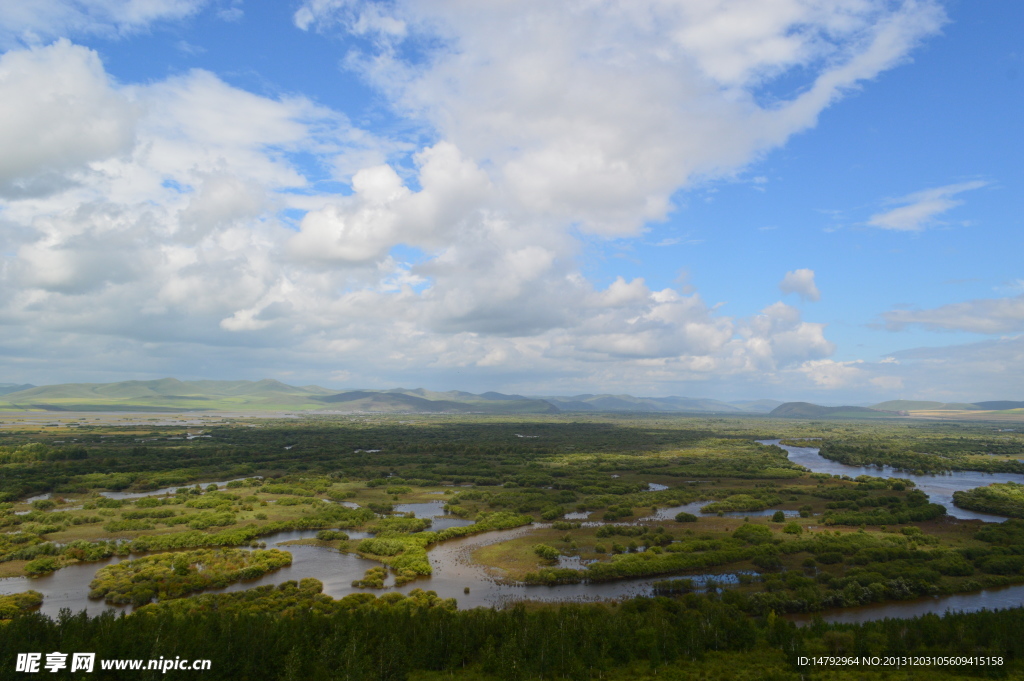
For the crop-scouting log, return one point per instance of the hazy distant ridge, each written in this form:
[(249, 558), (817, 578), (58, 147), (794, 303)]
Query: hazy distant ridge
[(923, 405), (808, 410), (918, 405), (171, 394), (6, 388), (165, 394), (396, 401), (629, 403), (887, 409)]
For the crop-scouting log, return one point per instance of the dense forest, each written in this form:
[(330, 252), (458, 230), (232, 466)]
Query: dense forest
[(287, 634)]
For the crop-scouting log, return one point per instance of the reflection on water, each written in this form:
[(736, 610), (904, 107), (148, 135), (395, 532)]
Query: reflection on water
[(704, 581), (65, 588), (435, 511), (426, 509), (221, 484), (670, 512), (454, 570), (939, 488), (573, 562), (990, 599)]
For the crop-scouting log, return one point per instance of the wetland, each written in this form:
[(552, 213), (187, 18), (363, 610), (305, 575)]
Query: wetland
[(463, 512)]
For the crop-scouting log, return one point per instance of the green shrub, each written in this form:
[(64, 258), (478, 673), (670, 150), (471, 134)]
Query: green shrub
[(381, 547), (331, 535), (15, 604), (753, 534), (41, 566), (545, 552)]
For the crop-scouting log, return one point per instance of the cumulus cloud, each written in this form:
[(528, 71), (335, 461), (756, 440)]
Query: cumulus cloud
[(917, 211), (176, 215), (58, 112), (991, 315), (777, 338), (382, 212), (159, 197), (598, 112), (360, 231), (801, 282)]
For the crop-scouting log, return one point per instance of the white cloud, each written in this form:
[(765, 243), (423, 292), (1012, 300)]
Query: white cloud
[(992, 315), (596, 113), (621, 292), (361, 230), (231, 14), (155, 225), (777, 338), (801, 282), (42, 20), (920, 209), (58, 112), (833, 375), (971, 372), (383, 213)]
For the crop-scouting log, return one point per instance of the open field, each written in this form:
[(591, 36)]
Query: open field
[(1009, 416)]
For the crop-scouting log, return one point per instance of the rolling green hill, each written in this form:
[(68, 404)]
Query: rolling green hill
[(401, 402), (808, 410), (6, 388), (170, 394), (167, 394), (629, 403), (999, 405), (756, 406)]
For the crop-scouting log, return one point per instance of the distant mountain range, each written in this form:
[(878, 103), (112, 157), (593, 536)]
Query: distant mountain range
[(167, 394), (807, 410), (170, 394), (889, 409), (6, 388), (425, 401), (616, 403)]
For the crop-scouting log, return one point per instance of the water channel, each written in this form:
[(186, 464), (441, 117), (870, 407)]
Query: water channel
[(938, 487), (454, 570)]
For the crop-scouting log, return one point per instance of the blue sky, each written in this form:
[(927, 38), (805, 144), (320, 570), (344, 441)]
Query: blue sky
[(810, 199)]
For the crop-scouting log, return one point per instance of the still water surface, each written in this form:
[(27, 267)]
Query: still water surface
[(939, 488), (454, 571)]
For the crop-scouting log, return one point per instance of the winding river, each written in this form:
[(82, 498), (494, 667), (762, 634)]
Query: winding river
[(454, 571), (938, 487)]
